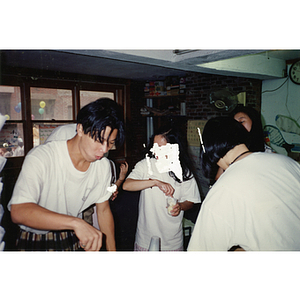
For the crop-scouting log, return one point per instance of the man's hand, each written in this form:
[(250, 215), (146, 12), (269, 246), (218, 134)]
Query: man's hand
[(35, 216), (89, 237)]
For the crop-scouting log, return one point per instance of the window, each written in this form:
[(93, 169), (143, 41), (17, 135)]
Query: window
[(51, 104), (87, 97), (11, 135), (41, 131), (10, 102), (34, 106)]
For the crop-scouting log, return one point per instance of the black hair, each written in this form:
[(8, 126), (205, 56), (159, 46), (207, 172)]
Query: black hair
[(220, 135), (256, 134), (174, 135), (96, 116)]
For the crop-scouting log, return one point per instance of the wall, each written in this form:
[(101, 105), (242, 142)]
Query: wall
[(200, 85), (135, 124), (281, 97)]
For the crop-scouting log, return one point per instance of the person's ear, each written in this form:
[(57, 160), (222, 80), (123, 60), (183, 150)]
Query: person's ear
[(79, 128)]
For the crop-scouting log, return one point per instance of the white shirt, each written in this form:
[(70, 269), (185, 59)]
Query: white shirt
[(62, 133), (254, 204), (153, 219), (49, 179)]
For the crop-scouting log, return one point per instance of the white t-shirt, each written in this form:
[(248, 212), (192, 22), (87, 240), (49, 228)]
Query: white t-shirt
[(62, 133), (153, 219), (49, 178), (254, 204)]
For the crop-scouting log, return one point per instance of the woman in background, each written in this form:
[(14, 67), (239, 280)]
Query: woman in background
[(251, 120)]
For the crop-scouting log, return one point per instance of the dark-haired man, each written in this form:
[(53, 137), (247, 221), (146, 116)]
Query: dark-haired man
[(60, 179)]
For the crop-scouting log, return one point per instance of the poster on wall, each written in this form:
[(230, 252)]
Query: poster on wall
[(192, 131), (194, 150), (280, 107)]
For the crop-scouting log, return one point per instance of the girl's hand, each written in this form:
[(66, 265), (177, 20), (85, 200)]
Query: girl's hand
[(165, 187), (176, 210), (123, 170), (114, 195)]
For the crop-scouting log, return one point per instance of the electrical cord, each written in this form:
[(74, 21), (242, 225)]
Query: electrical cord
[(269, 91)]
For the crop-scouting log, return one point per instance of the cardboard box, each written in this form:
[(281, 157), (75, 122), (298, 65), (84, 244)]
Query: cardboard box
[(159, 88)]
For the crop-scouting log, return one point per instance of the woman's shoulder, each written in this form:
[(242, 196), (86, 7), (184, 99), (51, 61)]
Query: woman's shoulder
[(142, 162)]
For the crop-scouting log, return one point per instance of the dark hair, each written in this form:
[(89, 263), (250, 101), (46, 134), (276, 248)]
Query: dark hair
[(98, 115), (256, 135), (173, 135), (220, 135)]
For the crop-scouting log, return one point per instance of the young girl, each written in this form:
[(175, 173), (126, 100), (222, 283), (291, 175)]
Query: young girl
[(156, 186)]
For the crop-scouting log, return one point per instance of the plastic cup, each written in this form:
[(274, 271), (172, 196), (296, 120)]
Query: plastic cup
[(154, 244), (171, 202)]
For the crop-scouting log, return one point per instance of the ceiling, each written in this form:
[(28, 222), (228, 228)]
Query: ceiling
[(155, 64)]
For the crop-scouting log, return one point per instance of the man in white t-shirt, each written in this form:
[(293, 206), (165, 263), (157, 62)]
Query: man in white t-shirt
[(255, 203), (61, 179)]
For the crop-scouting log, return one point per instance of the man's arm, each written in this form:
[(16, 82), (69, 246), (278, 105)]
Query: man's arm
[(106, 224), (35, 216)]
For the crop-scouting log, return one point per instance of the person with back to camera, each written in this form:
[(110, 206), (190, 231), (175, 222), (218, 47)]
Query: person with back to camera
[(247, 206), (60, 179), (157, 182)]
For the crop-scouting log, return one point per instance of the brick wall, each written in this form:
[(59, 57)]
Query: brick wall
[(136, 131), (198, 87)]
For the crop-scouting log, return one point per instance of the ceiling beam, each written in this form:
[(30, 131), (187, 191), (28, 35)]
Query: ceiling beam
[(259, 65)]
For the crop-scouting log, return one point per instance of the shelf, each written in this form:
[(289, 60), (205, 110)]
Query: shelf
[(165, 96), (164, 116)]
